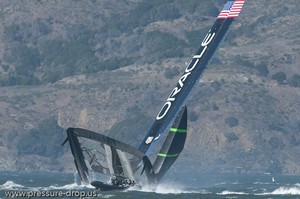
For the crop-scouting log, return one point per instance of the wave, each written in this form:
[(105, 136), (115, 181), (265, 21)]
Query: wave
[(167, 189), (220, 183), (232, 193), (264, 183), (293, 190), (72, 186), (106, 196), (10, 185)]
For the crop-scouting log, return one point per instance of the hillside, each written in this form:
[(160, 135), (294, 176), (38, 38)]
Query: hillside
[(109, 65)]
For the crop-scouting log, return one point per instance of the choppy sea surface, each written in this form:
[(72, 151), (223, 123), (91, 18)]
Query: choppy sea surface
[(206, 186)]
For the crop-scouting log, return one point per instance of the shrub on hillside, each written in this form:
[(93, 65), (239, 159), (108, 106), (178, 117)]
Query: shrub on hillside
[(294, 81), (280, 77), (232, 121)]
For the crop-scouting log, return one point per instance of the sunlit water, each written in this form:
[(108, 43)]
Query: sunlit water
[(175, 186)]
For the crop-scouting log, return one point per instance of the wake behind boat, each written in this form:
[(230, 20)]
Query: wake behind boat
[(109, 164)]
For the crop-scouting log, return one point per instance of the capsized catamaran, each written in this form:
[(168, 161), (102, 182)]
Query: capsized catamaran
[(97, 155), (109, 164)]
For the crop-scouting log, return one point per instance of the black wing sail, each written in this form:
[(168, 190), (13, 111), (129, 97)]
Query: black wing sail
[(173, 144), (114, 161), (77, 153), (191, 74), (170, 151), (106, 140)]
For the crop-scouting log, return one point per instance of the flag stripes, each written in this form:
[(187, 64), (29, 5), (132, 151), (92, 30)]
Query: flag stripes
[(231, 9)]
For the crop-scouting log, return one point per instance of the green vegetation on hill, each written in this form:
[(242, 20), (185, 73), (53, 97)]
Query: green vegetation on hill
[(35, 54), (44, 140)]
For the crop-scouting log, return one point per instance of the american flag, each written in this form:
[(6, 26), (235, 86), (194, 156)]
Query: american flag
[(231, 9)]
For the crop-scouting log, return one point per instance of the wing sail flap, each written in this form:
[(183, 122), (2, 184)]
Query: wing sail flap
[(170, 150), (173, 145)]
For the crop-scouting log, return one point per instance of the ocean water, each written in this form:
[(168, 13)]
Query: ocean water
[(205, 186)]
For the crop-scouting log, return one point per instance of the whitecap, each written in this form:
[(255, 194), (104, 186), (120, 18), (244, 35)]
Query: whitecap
[(72, 186), (220, 183), (107, 196), (232, 193), (287, 191), (10, 185), (292, 190), (165, 188)]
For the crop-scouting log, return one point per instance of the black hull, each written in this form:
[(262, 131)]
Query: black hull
[(107, 187)]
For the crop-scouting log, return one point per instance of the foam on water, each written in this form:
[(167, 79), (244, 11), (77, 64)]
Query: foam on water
[(72, 186), (10, 185), (166, 188), (224, 189), (232, 193), (292, 190), (107, 196), (220, 183), (264, 183)]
